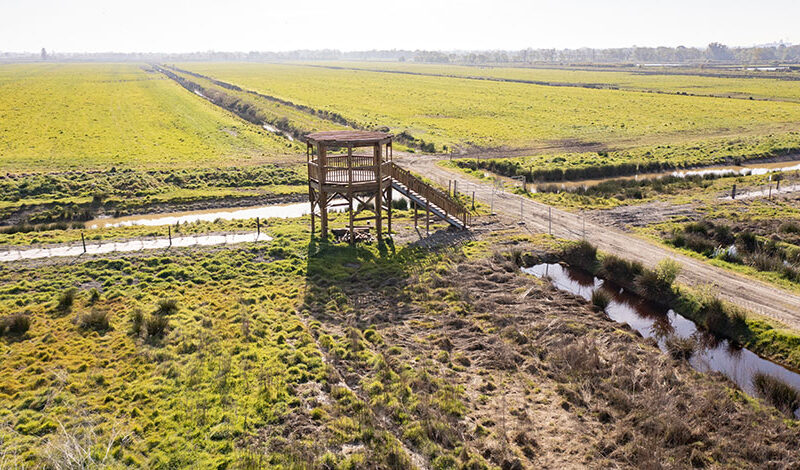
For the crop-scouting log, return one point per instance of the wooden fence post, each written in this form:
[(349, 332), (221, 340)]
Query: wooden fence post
[(83, 241)]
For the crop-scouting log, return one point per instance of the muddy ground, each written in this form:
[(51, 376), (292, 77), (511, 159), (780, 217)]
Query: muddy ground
[(548, 381), (642, 215)]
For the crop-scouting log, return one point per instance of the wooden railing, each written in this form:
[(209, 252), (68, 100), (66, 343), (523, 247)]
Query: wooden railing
[(338, 170), (451, 206)]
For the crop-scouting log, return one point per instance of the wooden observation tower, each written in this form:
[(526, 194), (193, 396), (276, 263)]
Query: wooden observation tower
[(351, 169)]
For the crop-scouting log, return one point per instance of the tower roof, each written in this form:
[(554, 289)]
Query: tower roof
[(349, 138)]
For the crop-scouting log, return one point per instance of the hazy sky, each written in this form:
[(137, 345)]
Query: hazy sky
[(244, 25)]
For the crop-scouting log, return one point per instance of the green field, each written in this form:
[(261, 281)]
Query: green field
[(473, 113), (668, 81), (78, 116)]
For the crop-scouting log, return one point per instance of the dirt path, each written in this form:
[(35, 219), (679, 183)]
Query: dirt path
[(751, 294)]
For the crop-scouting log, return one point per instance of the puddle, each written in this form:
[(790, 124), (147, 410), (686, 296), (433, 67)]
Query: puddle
[(652, 321), (110, 246)]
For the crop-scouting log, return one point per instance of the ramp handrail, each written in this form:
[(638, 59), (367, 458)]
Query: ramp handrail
[(449, 205)]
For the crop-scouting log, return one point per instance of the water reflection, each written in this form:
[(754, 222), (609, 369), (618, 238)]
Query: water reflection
[(713, 354)]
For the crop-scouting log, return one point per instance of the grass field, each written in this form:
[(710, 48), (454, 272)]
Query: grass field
[(467, 113), (78, 116), (648, 79)]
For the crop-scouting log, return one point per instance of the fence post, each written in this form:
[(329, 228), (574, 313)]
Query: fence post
[(258, 226), (520, 212), (584, 225), (550, 220), (449, 186), (770, 191), (473, 200), (169, 234), (733, 192), (83, 241)]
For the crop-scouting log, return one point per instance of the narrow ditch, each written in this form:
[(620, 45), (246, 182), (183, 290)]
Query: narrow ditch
[(709, 353)]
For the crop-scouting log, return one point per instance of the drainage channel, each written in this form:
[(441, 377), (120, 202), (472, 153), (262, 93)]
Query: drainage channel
[(711, 354)]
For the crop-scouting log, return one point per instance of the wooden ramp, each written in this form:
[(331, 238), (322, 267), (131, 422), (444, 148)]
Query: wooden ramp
[(426, 196)]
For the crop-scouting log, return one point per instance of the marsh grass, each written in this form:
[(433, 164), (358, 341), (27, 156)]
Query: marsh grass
[(66, 299), (777, 392), (600, 299), (16, 324), (96, 319)]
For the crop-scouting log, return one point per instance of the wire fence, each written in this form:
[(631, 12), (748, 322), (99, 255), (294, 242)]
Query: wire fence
[(141, 243)]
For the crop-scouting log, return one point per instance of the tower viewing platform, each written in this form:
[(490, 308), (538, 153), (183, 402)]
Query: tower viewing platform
[(354, 170)]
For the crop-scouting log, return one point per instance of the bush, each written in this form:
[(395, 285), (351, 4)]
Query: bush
[(747, 241), (776, 392), (668, 270), (400, 204), (156, 326), (167, 307), (94, 295), (137, 321), (66, 300), (600, 299), (619, 270), (17, 324), (582, 254), (96, 319), (789, 227)]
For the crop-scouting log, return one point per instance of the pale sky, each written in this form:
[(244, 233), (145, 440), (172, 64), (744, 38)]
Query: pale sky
[(250, 25)]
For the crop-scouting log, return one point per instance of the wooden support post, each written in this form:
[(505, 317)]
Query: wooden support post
[(389, 209), (258, 226), (473, 200), (83, 240), (550, 220), (733, 192), (169, 234), (379, 192), (415, 214), (350, 193), (427, 217), (770, 191), (449, 186), (323, 196)]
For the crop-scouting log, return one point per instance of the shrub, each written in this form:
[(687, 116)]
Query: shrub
[(16, 324), (668, 270), (656, 284), (582, 254), (94, 295), (96, 319), (156, 325), (764, 262), (776, 392), (620, 270), (790, 226), (600, 299), (167, 307), (747, 241), (698, 243), (137, 321), (400, 204), (66, 300)]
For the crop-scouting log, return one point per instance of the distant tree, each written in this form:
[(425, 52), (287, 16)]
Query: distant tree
[(44, 54), (717, 51)]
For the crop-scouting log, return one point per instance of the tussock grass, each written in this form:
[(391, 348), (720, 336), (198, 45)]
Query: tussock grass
[(600, 299), (16, 324), (96, 319), (777, 392)]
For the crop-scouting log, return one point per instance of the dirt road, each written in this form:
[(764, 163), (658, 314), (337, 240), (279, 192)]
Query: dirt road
[(751, 294)]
